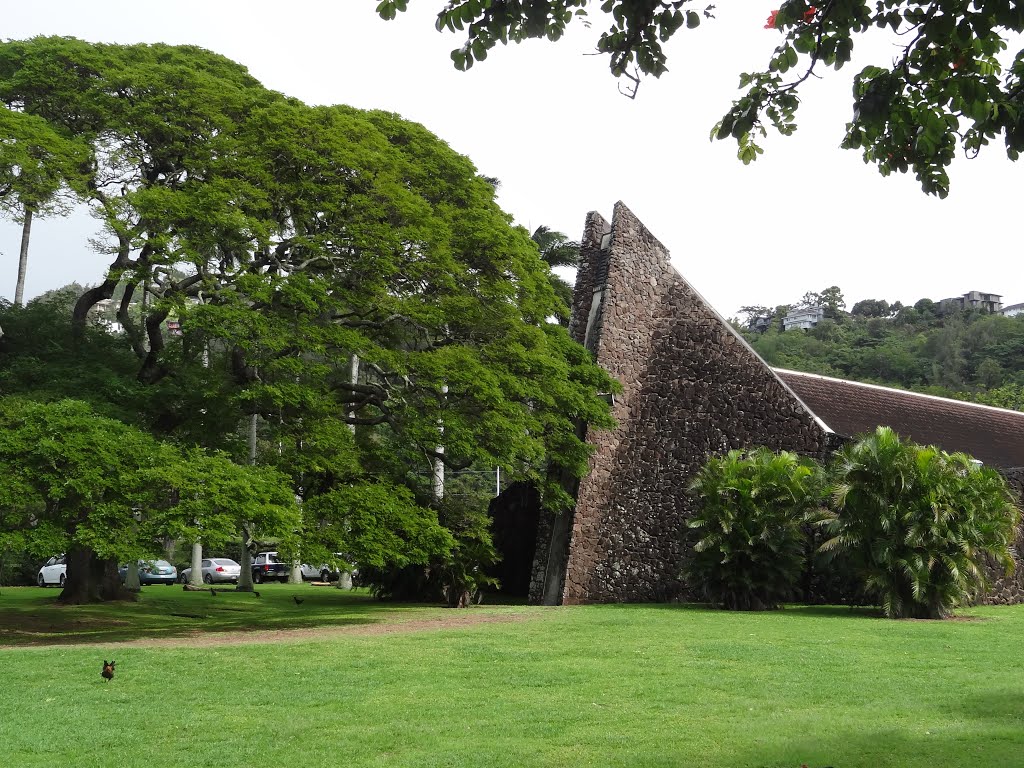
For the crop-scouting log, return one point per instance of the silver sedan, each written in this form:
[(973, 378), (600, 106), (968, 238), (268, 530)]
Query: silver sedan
[(214, 569)]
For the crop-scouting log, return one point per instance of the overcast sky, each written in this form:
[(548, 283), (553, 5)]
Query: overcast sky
[(549, 122)]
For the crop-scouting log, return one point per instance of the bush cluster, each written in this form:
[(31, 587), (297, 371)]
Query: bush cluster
[(913, 523)]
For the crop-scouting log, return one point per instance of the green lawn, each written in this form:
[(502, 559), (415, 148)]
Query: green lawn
[(599, 686)]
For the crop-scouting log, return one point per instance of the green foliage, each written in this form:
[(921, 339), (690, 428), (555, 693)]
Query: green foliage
[(287, 241), (942, 350), (372, 525), (557, 250), (71, 479), (946, 87), (36, 163), (918, 522), (750, 549), (41, 360)]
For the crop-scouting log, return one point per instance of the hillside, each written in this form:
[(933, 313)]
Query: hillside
[(928, 347)]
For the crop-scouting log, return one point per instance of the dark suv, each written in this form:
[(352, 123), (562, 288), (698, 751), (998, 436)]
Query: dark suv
[(266, 567)]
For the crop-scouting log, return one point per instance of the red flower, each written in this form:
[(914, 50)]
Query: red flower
[(809, 14), (771, 20)]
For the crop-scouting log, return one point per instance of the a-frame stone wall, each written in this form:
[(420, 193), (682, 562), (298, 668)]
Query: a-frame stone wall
[(692, 388)]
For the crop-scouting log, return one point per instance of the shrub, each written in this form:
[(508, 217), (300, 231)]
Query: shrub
[(750, 546), (918, 523)]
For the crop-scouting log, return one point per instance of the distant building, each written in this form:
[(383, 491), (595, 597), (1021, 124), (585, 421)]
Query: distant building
[(760, 324), (989, 302), (805, 318), (104, 312), (1013, 310)]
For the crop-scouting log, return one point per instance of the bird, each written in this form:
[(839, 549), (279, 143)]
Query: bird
[(108, 670), (298, 600), (213, 592), (257, 594)]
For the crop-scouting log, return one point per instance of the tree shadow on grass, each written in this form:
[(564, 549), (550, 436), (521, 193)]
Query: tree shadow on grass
[(35, 618), (789, 610), (994, 737)]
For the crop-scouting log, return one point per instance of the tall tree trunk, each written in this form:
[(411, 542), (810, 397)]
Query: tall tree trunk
[(131, 579), (90, 579), (196, 577), (295, 574), (26, 234), (245, 577)]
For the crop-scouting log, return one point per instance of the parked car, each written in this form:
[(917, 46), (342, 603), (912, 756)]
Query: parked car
[(312, 572), (53, 571), (321, 572), (267, 567), (153, 572), (214, 569)]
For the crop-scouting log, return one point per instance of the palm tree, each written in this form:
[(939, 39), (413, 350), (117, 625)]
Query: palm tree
[(557, 250), (36, 164), (750, 550), (918, 523)]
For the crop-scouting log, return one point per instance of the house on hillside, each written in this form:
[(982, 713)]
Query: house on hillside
[(1012, 311), (803, 318), (987, 302)]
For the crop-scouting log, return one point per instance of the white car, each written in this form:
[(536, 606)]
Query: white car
[(53, 571), (214, 569), (320, 572)]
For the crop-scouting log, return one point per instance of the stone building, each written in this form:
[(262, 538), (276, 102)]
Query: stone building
[(693, 388)]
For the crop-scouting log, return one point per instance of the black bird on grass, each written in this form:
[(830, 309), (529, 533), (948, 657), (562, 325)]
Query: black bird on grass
[(257, 594), (298, 600), (108, 670), (213, 592)]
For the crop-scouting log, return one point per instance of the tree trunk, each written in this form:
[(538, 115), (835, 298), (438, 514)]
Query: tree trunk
[(26, 233), (196, 577), (295, 574), (131, 579), (344, 580), (245, 577), (91, 580)]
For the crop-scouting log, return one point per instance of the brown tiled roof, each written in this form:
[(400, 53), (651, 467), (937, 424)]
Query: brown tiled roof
[(993, 435)]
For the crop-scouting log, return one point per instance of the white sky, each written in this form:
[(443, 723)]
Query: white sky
[(548, 121)]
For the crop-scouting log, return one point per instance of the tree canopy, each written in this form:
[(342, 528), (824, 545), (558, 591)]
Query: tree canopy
[(339, 281), (952, 83), (935, 347)]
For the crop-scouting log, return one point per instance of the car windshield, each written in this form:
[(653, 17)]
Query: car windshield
[(161, 564)]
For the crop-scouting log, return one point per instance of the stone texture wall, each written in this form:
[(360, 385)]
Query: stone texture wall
[(1009, 590), (692, 388)]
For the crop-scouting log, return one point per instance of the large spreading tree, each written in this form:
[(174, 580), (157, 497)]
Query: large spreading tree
[(951, 84), (349, 303)]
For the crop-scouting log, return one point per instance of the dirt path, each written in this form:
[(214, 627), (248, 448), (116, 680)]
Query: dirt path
[(200, 639)]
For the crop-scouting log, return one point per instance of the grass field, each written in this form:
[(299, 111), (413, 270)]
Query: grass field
[(582, 686)]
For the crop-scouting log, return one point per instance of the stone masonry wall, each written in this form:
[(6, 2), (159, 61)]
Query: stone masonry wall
[(691, 389), (1009, 590)]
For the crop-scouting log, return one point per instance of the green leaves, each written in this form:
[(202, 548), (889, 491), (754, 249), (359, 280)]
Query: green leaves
[(101, 484), (947, 64), (288, 242), (749, 549), (918, 523)]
